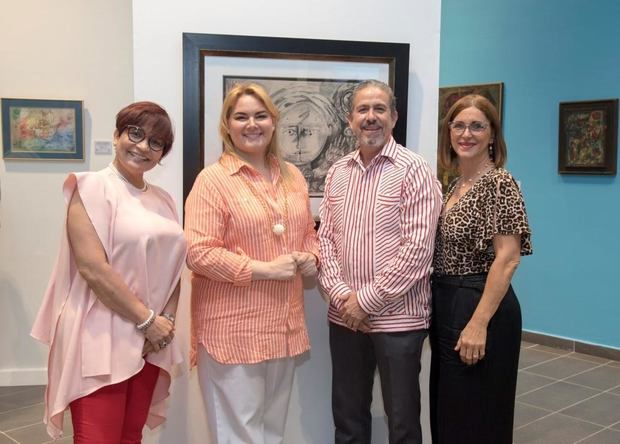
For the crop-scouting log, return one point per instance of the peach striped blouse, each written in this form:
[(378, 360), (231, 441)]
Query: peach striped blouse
[(237, 320)]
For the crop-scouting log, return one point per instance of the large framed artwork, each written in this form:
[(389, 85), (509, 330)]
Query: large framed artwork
[(34, 129), (309, 80), (588, 139), (448, 95)]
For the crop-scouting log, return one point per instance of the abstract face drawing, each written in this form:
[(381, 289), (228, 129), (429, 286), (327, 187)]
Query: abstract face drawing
[(303, 131)]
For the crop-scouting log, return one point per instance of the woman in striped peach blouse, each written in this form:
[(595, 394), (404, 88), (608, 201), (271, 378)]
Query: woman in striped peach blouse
[(251, 238)]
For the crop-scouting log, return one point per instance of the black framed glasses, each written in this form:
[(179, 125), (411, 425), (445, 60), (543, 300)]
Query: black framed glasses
[(459, 128), (137, 135)]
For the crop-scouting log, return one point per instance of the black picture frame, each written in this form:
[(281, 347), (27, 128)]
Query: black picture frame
[(42, 129), (197, 46), (588, 137)]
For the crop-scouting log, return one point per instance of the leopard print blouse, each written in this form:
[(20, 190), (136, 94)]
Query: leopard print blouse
[(464, 241)]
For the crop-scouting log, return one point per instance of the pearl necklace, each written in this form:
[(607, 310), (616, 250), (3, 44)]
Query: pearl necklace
[(277, 227), (124, 179)]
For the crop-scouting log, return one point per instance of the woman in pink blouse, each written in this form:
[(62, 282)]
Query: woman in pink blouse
[(108, 313), (250, 239)]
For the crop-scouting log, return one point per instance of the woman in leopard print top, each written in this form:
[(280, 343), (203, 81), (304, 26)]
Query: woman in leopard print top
[(476, 328)]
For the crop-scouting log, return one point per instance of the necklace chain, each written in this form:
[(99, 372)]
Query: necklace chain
[(278, 228), (124, 179), (485, 169)]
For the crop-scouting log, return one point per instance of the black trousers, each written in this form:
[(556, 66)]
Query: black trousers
[(355, 356), (472, 404)]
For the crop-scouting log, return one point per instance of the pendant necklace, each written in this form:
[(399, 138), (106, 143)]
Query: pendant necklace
[(277, 227), (124, 179), (481, 172)]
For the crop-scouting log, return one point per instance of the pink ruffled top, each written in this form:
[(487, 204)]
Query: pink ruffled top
[(90, 345)]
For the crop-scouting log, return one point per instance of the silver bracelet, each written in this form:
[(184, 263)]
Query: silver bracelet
[(146, 324), (168, 316)]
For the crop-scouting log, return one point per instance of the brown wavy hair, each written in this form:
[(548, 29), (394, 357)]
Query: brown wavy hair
[(447, 156)]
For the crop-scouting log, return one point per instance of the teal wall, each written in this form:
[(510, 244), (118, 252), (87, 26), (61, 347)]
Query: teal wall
[(546, 52)]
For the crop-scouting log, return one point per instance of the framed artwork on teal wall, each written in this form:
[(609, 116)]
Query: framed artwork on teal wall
[(588, 137)]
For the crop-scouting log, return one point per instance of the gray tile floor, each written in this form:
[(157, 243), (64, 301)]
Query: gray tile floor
[(562, 397)]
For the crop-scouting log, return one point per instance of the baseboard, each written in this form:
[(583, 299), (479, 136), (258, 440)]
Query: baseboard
[(571, 345), (23, 376)]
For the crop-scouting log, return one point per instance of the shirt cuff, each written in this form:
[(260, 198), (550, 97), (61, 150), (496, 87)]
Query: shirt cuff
[(339, 292), (244, 276), (369, 301)]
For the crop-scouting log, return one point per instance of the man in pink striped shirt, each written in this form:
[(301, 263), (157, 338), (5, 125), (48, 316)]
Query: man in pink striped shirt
[(378, 221)]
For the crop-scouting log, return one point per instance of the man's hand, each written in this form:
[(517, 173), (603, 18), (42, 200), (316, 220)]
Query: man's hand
[(353, 315)]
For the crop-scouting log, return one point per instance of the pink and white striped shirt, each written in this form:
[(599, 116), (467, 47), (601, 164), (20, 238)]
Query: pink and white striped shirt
[(238, 320), (377, 236)]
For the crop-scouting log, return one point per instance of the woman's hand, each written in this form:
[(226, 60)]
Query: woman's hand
[(306, 263), (281, 268), (472, 342), (147, 348), (160, 333)]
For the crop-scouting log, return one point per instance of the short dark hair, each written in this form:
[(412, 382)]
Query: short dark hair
[(376, 84), (447, 156), (151, 115)]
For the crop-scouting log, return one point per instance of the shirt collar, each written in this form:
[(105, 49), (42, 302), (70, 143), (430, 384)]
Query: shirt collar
[(234, 164), (389, 151)]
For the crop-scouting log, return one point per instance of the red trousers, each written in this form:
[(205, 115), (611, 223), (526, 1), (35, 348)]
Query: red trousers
[(116, 413)]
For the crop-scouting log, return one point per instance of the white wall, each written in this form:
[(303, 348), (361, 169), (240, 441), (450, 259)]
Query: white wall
[(66, 49), (158, 27), (75, 49)]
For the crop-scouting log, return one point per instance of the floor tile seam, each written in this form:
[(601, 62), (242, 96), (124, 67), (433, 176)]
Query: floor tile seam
[(549, 413), (609, 390), (22, 408), (535, 406), (585, 386), (560, 351), (53, 440), (564, 379), (586, 360), (559, 412), (536, 374), (2, 412), (538, 388), (542, 362), (25, 426), (8, 437), (577, 403), (593, 434), (6, 395), (584, 420), (23, 388), (66, 435)]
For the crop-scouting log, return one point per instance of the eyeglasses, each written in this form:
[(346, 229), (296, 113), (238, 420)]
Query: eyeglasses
[(459, 128), (137, 135)]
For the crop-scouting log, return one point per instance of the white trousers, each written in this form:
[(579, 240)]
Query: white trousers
[(245, 403)]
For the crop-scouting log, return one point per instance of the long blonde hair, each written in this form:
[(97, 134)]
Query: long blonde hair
[(258, 92)]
